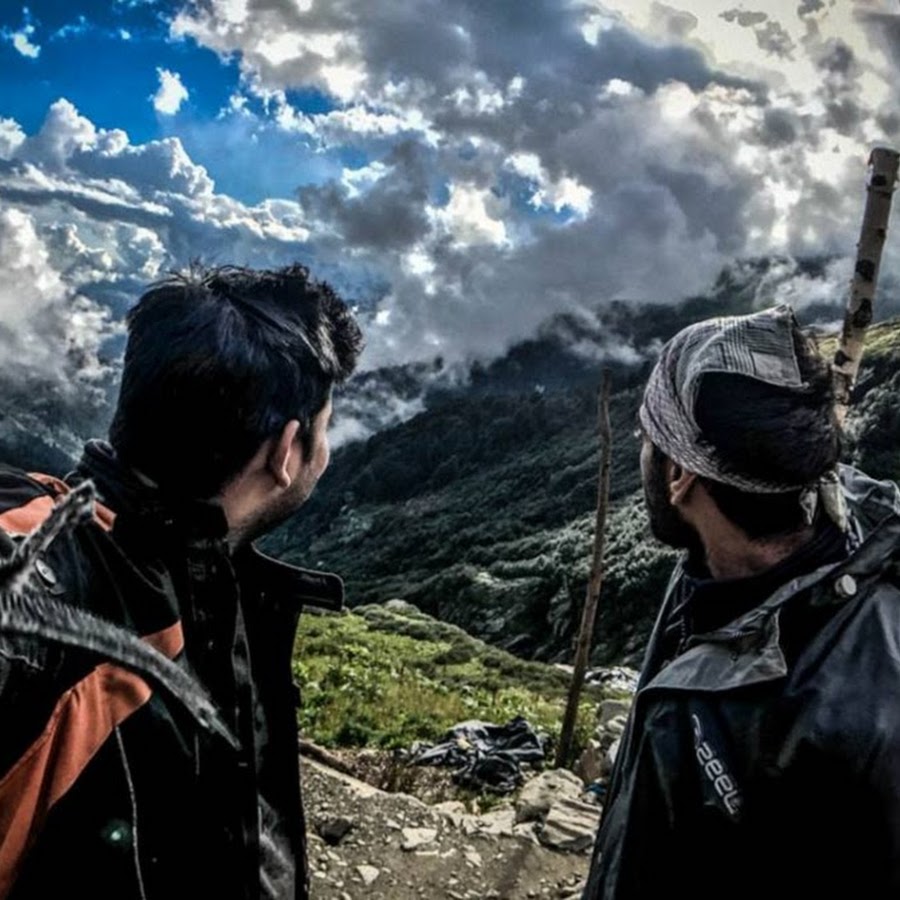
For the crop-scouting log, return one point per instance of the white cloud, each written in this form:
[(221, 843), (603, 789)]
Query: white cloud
[(21, 40), (63, 132), (11, 137), (329, 54), (563, 193), (49, 330), (358, 181), (631, 146), (171, 93), (472, 216), (72, 29), (499, 175), (111, 215)]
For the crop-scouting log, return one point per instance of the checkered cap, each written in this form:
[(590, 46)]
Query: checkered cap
[(759, 346)]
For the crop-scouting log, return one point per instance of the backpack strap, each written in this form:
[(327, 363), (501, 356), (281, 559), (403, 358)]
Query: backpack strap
[(103, 515)]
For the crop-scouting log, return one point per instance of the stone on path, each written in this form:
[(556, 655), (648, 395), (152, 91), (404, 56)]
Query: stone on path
[(414, 838), (368, 873), (570, 825), (542, 792), (333, 830), (591, 765), (610, 709)]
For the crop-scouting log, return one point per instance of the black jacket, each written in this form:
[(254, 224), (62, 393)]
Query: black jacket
[(148, 741), (764, 760)]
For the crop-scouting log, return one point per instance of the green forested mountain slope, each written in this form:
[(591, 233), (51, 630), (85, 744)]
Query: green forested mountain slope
[(480, 509)]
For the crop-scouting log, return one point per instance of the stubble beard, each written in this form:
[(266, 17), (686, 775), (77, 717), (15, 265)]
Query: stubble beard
[(276, 513), (666, 524)]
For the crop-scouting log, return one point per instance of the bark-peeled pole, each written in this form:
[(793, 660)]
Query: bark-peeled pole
[(592, 597), (879, 192)]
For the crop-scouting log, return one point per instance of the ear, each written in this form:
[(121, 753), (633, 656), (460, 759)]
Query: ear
[(680, 483), (279, 459)]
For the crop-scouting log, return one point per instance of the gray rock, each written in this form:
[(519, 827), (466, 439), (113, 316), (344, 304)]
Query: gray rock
[(610, 709), (618, 678), (526, 830), (334, 829), (591, 765), (609, 731), (368, 874), (414, 838), (497, 821), (454, 810), (616, 726), (570, 825), (543, 791)]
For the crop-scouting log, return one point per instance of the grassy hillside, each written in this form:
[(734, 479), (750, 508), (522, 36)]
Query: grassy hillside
[(390, 676)]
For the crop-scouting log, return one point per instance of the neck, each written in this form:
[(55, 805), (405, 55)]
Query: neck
[(732, 555)]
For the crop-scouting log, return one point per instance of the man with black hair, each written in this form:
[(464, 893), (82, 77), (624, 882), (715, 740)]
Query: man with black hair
[(148, 746), (762, 754)]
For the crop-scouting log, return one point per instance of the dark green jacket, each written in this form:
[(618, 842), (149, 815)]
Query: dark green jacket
[(764, 761), (148, 742)]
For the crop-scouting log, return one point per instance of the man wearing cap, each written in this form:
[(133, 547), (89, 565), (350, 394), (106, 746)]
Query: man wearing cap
[(762, 755)]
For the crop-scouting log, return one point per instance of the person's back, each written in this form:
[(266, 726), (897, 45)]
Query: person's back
[(763, 750), (149, 734)]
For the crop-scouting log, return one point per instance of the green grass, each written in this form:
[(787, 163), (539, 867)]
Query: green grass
[(383, 678)]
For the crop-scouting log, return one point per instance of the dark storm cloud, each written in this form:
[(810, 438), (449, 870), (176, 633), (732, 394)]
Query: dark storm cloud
[(840, 89), (779, 127), (808, 7), (889, 123), (496, 39), (659, 205), (744, 18), (771, 37), (774, 39), (838, 59), (391, 214), (677, 24), (513, 163), (883, 30), (828, 210), (845, 115)]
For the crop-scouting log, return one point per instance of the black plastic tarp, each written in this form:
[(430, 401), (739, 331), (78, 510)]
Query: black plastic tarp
[(486, 756)]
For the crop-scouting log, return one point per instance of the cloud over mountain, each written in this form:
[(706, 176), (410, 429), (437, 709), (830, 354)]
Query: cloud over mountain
[(466, 170)]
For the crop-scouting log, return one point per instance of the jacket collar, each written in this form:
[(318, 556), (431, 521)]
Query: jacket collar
[(133, 497), (305, 586), (139, 503), (748, 650)]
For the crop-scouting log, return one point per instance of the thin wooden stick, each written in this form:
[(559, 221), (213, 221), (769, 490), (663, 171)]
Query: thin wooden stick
[(592, 597), (320, 754), (879, 192)]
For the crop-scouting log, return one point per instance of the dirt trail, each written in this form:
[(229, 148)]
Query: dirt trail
[(383, 846)]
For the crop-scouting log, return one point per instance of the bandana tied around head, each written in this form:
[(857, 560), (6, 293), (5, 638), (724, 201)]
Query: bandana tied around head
[(758, 346)]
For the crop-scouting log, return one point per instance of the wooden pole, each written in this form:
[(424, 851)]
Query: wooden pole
[(879, 192), (592, 597)]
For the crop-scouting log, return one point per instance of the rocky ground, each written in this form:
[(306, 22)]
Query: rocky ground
[(424, 838), (367, 843)]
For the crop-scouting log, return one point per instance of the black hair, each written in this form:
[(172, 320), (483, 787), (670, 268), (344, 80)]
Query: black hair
[(220, 359), (780, 435)]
